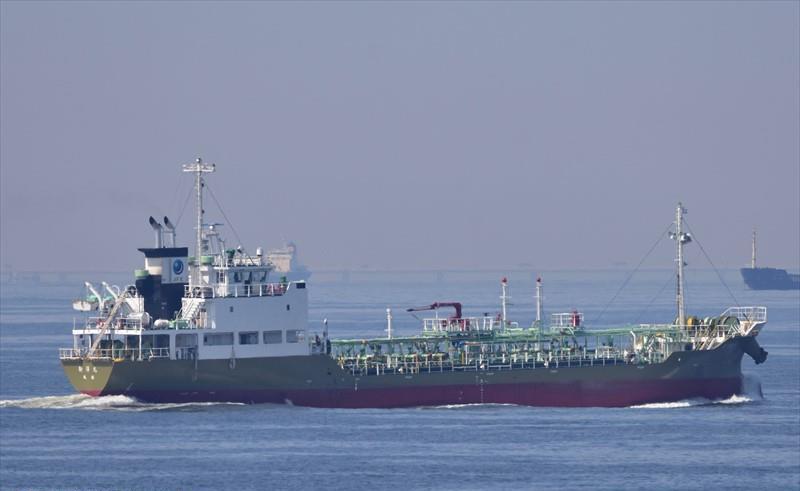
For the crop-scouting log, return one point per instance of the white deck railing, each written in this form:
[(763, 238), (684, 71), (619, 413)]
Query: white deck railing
[(223, 290), (115, 353), (464, 324), (120, 323), (752, 314), (566, 319)]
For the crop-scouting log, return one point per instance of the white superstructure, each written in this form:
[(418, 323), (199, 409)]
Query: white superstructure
[(228, 307)]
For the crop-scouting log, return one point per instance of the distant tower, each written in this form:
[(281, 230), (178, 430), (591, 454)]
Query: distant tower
[(753, 258)]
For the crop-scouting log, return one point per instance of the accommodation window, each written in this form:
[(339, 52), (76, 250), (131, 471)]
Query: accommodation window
[(272, 337), (295, 336), (219, 339), (185, 340), (148, 341), (248, 338), (155, 341)]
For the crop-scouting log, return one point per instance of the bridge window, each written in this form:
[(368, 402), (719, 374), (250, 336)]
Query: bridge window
[(295, 336), (273, 337), (220, 339), (248, 338)]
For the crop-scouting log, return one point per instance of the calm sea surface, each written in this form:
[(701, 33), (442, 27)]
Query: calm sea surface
[(51, 438)]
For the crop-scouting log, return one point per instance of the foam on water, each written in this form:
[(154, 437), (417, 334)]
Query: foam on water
[(113, 403), (693, 403), (751, 392), (476, 405), (71, 401)]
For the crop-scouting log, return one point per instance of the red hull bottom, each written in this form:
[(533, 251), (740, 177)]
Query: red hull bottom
[(568, 394)]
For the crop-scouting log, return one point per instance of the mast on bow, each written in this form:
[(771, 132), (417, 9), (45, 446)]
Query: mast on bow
[(680, 238)]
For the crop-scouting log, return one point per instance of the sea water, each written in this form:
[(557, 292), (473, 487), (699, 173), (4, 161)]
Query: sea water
[(52, 438)]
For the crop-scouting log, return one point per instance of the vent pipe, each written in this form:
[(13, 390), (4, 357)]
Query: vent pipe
[(158, 230), (170, 231)]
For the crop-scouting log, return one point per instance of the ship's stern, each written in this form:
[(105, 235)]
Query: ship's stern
[(88, 376)]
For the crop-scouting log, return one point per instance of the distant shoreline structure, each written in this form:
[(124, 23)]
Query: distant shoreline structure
[(334, 274)]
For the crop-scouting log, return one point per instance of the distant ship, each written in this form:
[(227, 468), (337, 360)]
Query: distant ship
[(214, 327), (768, 278), (285, 263)]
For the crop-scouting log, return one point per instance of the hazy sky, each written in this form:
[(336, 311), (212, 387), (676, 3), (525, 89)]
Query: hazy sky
[(402, 135)]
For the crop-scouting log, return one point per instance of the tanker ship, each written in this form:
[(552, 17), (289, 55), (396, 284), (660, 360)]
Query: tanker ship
[(216, 327), (761, 278), (285, 263)]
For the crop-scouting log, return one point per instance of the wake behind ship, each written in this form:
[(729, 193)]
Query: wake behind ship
[(214, 327)]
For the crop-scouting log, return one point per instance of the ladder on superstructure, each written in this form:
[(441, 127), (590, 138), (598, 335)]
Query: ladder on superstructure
[(107, 323), (190, 309)]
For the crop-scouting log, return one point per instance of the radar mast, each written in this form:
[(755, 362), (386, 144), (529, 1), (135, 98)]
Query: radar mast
[(198, 167)]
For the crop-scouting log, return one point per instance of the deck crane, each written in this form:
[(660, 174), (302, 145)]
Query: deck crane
[(437, 306)]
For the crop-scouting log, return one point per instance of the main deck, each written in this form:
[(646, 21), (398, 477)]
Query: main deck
[(473, 344)]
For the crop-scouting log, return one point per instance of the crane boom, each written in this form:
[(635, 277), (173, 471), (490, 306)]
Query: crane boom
[(438, 305)]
